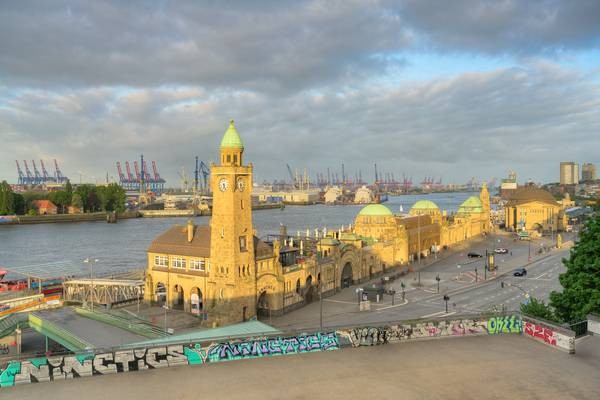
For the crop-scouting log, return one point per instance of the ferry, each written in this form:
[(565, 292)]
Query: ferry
[(49, 286)]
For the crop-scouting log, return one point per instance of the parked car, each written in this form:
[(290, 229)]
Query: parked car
[(474, 255), (501, 250), (520, 272)]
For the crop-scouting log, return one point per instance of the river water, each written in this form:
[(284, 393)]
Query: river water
[(122, 246)]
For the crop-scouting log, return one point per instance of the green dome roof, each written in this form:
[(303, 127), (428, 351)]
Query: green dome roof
[(232, 139), (471, 205), (375, 209), (424, 205)]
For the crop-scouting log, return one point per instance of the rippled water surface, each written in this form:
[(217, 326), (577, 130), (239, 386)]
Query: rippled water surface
[(123, 245)]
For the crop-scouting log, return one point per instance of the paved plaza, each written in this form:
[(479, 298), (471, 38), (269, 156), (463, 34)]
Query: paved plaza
[(470, 289), (481, 367)]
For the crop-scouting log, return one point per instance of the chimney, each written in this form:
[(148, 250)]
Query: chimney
[(190, 230)]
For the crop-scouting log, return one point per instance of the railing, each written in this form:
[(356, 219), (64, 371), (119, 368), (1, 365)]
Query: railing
[(580, 328)]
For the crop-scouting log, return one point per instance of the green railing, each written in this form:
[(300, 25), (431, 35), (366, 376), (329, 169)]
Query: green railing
[(130, 324), (59, 335)]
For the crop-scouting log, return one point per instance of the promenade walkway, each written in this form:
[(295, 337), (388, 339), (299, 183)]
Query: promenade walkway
[(482, 367)]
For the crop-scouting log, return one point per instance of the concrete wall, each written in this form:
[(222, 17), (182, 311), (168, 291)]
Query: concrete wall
[(44, 369), (594, 324), (552, 335)]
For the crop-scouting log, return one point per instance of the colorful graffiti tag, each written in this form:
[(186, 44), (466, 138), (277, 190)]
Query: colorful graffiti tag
[(508, 324), (45, 369), (370, 336), (540, 332)]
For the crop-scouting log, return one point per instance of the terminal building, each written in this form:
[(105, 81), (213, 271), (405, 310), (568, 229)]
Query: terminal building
[(227, 273)]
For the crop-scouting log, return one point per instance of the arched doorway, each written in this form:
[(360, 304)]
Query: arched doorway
[(196, 305), (178, 299), (263, 310), (346, 280), (309, 290), (160, 294)]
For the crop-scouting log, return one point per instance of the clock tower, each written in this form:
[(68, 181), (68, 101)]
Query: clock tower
[(232, 237)]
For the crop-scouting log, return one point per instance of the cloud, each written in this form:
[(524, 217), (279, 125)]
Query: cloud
[(271, 46), (505, 26), (527, 118)]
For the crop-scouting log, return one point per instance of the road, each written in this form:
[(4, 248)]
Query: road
[(470, 288), (481, 367)]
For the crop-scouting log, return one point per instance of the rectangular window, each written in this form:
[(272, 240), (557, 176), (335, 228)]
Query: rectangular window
[(179, 262), (228, 158), (243, 243), (198, 265), (161, 261), (235, 158)]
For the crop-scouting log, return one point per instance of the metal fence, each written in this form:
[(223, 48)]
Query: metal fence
[(580, 328)]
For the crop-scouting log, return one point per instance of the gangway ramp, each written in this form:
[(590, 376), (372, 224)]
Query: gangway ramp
[(80, 333)]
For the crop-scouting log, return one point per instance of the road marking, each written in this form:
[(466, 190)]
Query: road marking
[(447, 314), (395, 305), (539, 276), (340, 301), (434, 314)]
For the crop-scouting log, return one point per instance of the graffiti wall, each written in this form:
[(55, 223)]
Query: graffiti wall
[(369, 336), (46, 369), (551, 335)]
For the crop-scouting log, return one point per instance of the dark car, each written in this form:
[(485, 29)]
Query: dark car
[(501, 250), (474, 255), (520, 272)]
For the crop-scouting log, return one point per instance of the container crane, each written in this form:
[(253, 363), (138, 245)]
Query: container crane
[(22, 179), (30, 178)]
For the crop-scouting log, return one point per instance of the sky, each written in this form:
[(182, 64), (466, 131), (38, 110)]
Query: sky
[(473, 89)]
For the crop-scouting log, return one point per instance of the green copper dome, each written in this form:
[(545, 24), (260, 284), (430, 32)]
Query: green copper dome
[(375, 210), (471, 205), (232, 139), (424, 205)]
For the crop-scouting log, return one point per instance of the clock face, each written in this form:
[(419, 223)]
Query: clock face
[(223, 184), (240, 184)]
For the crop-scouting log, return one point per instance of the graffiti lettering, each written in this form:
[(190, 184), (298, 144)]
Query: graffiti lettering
[(55, 368), (540, 332), (370, 336), (508, 324)]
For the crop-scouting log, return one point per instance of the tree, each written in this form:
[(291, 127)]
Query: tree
[(19, 203), (76, 201), (6, 199), (112, 197), (581, 283), (537, 308), (89, 202), (61, 199), (69, 192)]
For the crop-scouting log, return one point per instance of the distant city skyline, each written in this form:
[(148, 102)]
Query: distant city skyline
[(475, 90)]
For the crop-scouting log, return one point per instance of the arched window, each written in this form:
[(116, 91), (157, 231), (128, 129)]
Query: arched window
[(298, 286)]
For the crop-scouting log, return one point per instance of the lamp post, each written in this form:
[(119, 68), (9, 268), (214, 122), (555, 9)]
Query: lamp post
[(402, 285), (529, 254), (419, 239), (438, 279), (165, 307), (320, 297), (446, 298), (91, 261)]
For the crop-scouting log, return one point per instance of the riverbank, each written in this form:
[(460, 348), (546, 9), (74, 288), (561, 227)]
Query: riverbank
[(102, 216), (61, 218)]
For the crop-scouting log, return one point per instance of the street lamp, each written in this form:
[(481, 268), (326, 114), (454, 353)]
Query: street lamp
[(438, 279), (320, 296), (91, 261), (165, 307), (402, 285), (446, 298)]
